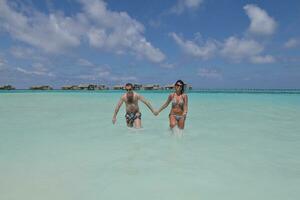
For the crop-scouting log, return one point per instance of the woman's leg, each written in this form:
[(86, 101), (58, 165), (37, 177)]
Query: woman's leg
[(181, 123), (173, 121)]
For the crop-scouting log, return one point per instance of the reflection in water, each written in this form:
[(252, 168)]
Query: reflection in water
[(177, 132)]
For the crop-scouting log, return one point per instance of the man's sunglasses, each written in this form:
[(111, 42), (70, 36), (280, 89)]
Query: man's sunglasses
[(128, 90), (178, 85)]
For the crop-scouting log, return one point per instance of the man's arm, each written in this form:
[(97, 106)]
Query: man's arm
[(165, 104), (147, 103), (114, 119)]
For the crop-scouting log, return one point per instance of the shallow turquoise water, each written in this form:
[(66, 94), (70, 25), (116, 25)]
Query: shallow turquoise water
[(63, 146)]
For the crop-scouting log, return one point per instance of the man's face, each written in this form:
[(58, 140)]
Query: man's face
[(128, 88)]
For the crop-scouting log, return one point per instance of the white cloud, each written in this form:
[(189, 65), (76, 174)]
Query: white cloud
[(37, 69), (85, 63), (205, 51), (30, 54), (262, 59), (20, 52), (209, 73), (96, 76), (106, 76), (239, 49), (123, 78), (154, 23), (118, 32), (167, 65), (2, 63), (292, 42), (104, 29), (249, 49), (104, 73), (97, 37), (182, 5), (38, 72), (232, 48), (52, 33), (261, 22)]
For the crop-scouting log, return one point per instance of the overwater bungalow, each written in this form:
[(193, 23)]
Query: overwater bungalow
[(101, 87), (66, 87), (169, 87), (7, 87), (151, 87), (83, 86), (118, 87), (92, 87), (70, 87), (41, 87), (87, 86), (137, 86)]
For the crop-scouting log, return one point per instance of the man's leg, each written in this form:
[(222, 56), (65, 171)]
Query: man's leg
[(138, 121), (128, 120), (129, 125)]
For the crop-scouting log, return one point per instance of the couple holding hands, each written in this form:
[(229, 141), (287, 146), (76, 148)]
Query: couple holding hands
[(133, 115)]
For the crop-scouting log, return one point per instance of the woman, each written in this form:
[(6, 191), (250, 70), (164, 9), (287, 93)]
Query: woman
[(179, 108)]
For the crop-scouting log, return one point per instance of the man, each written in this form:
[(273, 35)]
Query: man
[(133, 114)]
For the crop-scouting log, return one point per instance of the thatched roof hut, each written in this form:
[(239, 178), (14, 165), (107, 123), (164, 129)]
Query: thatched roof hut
[(151, 87)]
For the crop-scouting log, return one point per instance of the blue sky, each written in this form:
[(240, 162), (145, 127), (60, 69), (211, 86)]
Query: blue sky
[(206, 43)]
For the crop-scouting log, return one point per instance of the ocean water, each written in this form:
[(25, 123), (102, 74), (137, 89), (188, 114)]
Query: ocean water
[(63, 146)]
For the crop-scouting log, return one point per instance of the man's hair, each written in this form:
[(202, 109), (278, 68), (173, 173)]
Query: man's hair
[(129, 84)]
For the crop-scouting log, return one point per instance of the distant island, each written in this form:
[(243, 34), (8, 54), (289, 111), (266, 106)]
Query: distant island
[(97, 87), (152, 87), (7, 87)]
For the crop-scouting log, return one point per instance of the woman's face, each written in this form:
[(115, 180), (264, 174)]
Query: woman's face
[(178, 87)]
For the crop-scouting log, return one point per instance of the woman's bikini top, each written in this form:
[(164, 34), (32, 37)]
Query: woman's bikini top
[(179, 103)]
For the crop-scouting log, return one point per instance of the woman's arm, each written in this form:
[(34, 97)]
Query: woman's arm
[(185, 107), (166, 103)]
